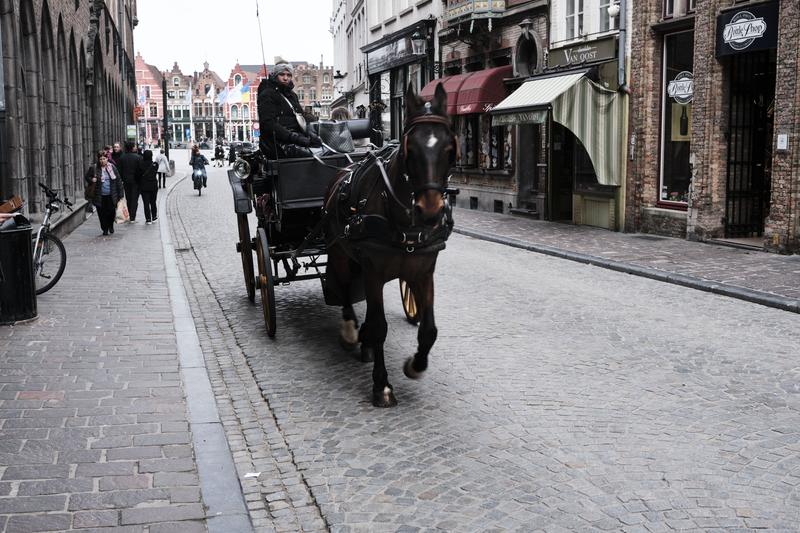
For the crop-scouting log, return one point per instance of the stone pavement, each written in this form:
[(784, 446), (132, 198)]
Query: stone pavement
[(759, 277), (94, 429)]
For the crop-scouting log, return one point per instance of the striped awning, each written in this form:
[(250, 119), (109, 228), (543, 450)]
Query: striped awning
[(592, 113)]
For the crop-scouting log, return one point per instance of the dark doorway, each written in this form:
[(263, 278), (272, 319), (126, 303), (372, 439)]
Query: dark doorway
[(531, 185), (751, 111), (562, 172)]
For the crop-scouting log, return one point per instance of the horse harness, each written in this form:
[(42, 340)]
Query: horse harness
[(378, 232)]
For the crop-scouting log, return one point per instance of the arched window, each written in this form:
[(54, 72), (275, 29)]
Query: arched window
[(326, 79), (234, 112), (237, 79), (176, 81), (245, 111)]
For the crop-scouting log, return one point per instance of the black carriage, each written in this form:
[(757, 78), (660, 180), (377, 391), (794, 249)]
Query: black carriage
[(288, 198)]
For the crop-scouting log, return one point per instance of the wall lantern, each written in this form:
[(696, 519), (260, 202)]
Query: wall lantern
[(418, 43), (613, 10)]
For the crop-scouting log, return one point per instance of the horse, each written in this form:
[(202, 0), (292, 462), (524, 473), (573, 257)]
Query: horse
[(387, 220)]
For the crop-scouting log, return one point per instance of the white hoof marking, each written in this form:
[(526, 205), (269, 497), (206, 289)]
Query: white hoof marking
[(348, 331)]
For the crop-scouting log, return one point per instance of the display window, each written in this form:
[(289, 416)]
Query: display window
[(676, 118)]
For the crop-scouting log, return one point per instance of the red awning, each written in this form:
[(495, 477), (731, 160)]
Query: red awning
[(483, 90), (452, 86)]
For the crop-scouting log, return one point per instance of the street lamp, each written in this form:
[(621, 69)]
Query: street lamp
[(418, 43), (164, 110)]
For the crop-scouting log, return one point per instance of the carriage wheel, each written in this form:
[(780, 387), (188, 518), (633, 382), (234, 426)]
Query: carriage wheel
[(246, 251), (409, 303), (264, 282)]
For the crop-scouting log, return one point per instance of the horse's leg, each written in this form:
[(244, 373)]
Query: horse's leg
[(340, 276), (372, 336), (348, 331), (426, 335)]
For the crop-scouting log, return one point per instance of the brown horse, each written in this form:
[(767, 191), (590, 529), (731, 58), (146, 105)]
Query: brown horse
[(389, 219)]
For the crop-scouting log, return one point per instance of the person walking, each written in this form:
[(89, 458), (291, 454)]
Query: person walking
[(108, 190), (116, 153), (130, 168), (148, 186), (163, 169)]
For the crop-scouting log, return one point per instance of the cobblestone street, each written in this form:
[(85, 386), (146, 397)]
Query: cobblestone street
[(560, 396)]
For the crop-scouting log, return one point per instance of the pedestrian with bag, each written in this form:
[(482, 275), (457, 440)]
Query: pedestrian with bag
[(104, 186), (130, 168), (148, 187), (163, 168)]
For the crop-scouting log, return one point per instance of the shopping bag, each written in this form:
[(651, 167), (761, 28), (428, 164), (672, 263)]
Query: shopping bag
[(88, 192), (122, 212)]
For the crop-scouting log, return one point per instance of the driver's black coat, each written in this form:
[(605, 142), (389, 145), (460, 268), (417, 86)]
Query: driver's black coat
[(276, 118)]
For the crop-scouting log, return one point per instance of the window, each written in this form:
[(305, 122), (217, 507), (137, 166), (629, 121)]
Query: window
[(301, 95), (606, 22), (245, 111), (499, 147), (170, 94), (181, 94), (153, 110), (312, 93), (237, 79), (326, 79), (176, 81), (676, 118), (198, 109), (469, 140), (306, 79), (678, 7), (234, 112), (326, 94), (574, 18)]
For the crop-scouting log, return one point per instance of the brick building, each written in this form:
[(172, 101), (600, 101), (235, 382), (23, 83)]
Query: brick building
[(208, 118), (69, 88), (180, 89), (714, 122), (150, 103)]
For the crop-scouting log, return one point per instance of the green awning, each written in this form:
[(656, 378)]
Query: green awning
[(592, 113)]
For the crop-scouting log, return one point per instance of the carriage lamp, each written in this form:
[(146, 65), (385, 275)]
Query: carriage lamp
[(418, 43), (241, 168)]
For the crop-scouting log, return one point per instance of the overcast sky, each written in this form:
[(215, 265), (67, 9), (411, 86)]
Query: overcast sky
[(193, 31)]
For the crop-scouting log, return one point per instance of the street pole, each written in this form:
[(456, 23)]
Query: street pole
[(164, 110), (213, 114)]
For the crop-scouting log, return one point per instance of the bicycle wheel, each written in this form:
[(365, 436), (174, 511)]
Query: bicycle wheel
[(49, 261)]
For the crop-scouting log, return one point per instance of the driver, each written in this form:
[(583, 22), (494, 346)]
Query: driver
[(281, 121)]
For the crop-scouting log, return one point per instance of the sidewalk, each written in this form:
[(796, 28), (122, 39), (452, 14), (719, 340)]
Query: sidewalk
[(768, 279), (95, 426)]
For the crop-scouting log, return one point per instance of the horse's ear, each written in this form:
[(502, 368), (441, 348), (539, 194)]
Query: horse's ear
[(440, 100), (412, 101)]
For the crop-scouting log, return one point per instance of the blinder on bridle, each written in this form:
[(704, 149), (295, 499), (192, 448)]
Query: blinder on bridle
[(429, 118)]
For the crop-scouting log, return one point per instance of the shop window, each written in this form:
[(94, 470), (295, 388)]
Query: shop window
[(499, 147), (469, 136), (574, 18), (498, 206), (677, 92)]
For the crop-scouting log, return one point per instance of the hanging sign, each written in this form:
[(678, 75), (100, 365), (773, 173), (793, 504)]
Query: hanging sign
[(748, 29), (681, 89)]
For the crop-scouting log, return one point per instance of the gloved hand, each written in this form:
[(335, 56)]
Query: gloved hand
[(316, 142), (300, 140)]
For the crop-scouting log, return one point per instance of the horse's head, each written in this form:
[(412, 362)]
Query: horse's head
[(429, 151)]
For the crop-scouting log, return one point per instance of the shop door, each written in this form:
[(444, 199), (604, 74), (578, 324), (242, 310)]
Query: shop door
[(562, 172), (528, 168), (751, 107)]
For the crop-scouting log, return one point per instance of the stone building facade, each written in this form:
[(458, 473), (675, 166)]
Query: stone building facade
[(714, 128), (150, 101), (69, 88)]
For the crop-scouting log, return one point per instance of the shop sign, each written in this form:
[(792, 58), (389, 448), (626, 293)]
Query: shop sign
[(681, 89), (748, 30), (390, 55), (582, 53), (458, 9), (130, 131)]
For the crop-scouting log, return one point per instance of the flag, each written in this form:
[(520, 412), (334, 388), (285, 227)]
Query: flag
[(188, 99), (246, 93), (222, 97), (235, 95), (142, 98)]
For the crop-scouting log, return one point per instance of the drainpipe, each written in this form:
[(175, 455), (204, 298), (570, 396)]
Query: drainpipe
[(623, 24)]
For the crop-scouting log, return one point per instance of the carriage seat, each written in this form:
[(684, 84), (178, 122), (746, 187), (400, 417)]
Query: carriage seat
[(340, 135)]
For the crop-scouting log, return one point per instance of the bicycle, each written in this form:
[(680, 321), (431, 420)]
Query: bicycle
[(49, 254)]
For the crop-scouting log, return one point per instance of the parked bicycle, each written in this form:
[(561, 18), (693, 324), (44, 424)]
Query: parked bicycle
[(49, 254)]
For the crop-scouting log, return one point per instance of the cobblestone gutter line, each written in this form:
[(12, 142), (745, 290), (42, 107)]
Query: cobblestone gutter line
[(277, 496), (732, 291)]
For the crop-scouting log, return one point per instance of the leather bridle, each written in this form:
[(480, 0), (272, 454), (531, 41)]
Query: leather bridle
[(428, 118)]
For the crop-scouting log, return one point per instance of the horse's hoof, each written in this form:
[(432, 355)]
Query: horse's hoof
[(384, 397), (408, 369), (367, 356), (348, 334)]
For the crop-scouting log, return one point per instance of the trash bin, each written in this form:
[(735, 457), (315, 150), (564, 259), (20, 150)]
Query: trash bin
[(17, 289)]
